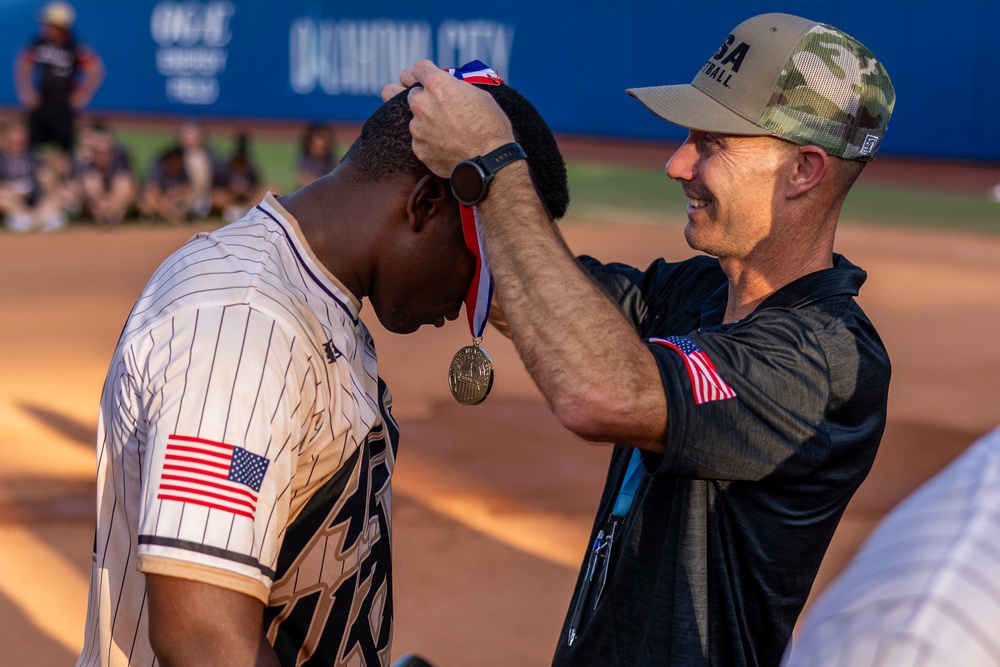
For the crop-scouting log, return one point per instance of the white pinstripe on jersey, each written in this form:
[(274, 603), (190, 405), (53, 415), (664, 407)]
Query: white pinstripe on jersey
[(242, 338), (924, 590)]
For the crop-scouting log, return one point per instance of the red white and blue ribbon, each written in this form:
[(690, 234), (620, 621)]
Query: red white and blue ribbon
[(476, 71), (480, 294)]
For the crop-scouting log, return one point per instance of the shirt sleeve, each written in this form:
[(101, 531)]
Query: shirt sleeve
[(745, 403), (226, 396), (86, 57)]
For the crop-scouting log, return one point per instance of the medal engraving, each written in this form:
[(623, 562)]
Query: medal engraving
[(470, 375)]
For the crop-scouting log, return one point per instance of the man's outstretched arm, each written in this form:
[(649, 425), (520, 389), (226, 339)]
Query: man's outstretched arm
[(600, 379)]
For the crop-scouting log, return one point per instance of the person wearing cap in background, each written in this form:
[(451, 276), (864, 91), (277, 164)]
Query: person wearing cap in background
[(56, 77), (746, 389)]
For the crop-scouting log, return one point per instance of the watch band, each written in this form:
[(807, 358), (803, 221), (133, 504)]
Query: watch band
[(501, 157), (470, 179)]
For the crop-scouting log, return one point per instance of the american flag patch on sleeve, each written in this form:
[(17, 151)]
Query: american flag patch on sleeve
[(212, 474), (706, 383)]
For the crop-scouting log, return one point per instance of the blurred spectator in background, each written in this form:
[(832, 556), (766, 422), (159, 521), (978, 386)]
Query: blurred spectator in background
[(82, 150), (56, 77), (200, 164), (236, 188), (28, 198), (167, 193), (105, 185), (316, 156)]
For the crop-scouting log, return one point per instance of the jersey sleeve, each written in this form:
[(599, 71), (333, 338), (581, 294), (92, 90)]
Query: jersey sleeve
[(86, 57), (226, 398), (745, 403)]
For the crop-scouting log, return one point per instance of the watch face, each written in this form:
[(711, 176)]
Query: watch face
[(467, 183)]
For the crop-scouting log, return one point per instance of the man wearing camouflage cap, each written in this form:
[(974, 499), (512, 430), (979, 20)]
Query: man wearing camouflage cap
[(746, 390)]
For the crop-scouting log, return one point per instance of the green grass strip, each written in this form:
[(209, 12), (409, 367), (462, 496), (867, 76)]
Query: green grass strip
[(595, 186), (599, 187)]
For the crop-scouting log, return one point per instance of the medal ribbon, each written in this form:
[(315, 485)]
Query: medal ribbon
[(480, 294), (476, 71)]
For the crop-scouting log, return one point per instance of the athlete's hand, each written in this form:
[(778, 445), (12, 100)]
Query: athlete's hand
[(452, 120)]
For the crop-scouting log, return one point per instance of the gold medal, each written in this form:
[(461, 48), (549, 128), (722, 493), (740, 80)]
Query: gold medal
[(471, 374)]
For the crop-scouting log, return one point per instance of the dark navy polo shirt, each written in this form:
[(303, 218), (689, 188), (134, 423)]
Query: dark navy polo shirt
[(773, 423)]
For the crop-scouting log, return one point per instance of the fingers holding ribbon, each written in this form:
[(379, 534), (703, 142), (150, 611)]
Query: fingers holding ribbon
[(453, 122)]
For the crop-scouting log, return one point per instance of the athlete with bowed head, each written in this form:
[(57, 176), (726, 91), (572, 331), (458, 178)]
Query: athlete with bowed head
[(746, 391), (246, 441)]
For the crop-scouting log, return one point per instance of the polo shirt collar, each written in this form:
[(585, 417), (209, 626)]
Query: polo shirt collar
[(843, 278)]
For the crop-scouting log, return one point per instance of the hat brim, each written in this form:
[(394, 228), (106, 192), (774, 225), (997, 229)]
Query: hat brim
[(54, 24), (688, 107)]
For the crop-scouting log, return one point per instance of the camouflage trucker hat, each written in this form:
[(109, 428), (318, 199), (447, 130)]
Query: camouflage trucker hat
[(789, 77)]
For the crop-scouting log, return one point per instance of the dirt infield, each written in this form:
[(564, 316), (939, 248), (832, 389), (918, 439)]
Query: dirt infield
[(492, 503)]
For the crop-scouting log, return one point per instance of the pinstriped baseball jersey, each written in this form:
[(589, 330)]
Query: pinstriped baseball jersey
[(245, 441)]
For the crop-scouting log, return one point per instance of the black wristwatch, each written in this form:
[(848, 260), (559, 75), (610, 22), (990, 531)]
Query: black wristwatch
[(470, 179)]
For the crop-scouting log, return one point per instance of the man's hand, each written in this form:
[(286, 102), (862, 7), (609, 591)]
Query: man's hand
[(391, 90), (452, 120)]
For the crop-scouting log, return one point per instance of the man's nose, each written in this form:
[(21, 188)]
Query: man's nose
[(680, 166)]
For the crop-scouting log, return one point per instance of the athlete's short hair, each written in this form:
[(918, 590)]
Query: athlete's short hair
[(384, 146)]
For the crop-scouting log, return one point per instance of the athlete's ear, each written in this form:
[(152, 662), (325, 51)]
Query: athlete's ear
[(431, 196)]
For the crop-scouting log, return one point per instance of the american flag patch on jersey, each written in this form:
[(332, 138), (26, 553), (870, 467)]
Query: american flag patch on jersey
[(212, 474), (706, 383)]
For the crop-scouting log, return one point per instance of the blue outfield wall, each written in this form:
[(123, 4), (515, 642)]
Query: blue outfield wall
[(321, 59)]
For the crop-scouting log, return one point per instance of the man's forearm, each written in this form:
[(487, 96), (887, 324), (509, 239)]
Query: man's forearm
[(22, 82), (584, 355)]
